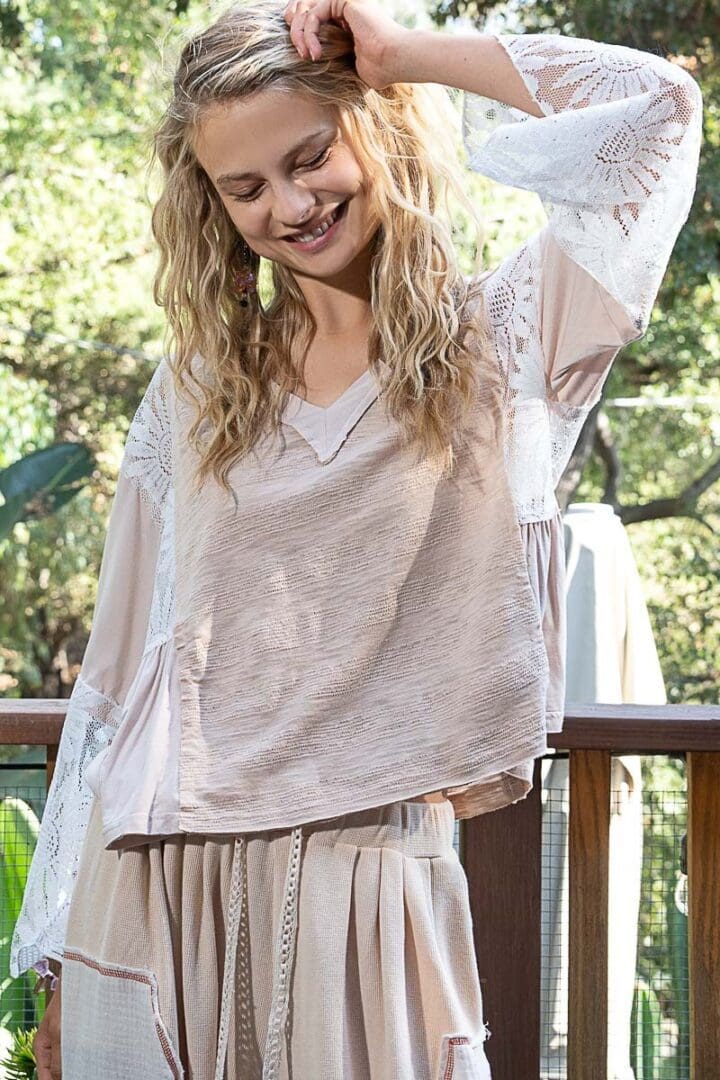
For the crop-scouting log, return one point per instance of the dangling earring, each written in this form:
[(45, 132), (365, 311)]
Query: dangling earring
[(244, 281)]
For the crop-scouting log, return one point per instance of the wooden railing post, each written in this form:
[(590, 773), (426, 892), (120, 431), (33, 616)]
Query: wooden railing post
[(589, 839), (501, 854), (703, 778), (50, 763)]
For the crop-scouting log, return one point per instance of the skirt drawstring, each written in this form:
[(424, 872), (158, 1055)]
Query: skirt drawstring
[(284, 957), (235, 904)]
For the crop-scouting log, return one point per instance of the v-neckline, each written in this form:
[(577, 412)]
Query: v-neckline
[(349, 391), (326, 427)]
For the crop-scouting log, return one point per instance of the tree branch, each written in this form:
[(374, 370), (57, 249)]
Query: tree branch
[(682, 505), (607, 451)]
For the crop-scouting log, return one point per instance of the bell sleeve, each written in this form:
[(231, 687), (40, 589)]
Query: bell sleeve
[(614, 160), (121, 624)]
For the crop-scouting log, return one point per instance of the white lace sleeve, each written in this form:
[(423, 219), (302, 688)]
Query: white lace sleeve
[(614, 160), (122, 621)]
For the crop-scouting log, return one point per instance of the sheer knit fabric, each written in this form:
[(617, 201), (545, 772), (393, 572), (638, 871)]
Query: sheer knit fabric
[(614, 160)]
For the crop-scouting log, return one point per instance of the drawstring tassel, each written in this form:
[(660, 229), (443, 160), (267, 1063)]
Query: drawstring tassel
[(284, 952), (228, 997)]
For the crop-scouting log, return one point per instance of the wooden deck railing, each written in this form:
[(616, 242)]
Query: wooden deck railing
[(501, 853)]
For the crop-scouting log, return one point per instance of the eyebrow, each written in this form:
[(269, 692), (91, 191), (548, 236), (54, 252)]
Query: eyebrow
[(233, 177)]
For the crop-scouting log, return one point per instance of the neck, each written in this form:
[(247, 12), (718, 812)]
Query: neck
[(340, 305)]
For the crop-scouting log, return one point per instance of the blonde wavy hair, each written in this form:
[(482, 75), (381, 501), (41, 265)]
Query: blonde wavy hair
[(402, 137)]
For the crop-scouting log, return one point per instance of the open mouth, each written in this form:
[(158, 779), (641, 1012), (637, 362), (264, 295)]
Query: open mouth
[(320, 236)]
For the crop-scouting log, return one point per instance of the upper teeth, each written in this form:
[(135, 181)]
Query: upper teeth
[(321, 229)]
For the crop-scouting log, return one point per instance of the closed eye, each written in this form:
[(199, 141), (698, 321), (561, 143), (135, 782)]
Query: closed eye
[(321, 158), (314, 163)]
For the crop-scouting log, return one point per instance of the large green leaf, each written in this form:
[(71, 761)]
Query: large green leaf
[(19, 828), (42, 482)]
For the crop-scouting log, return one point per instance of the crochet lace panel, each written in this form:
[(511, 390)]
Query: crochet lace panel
[(148, 450), (162, 611), (614, 161), (92, 717), (40, 930)]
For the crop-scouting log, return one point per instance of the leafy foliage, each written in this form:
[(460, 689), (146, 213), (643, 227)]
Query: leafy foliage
[(79, 334), (19, 828), (76, 97), (42, 482), (20, 1062)]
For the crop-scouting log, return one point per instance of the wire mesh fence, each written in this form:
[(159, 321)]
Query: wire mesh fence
[(21, 808), (661, 1016), (648, 975)]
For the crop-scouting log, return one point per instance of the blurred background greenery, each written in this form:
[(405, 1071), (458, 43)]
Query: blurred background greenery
[(80, 334)]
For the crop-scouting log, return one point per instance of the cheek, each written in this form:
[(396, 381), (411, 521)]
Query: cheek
[(348, 173), (250, 224)]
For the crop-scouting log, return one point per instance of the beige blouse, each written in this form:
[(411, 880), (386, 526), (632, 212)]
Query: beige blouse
[(173, 644)]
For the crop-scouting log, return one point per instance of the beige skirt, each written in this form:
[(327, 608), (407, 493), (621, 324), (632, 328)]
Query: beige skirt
[(340, 950)]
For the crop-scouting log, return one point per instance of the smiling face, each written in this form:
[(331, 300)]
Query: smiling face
[(283, 167)]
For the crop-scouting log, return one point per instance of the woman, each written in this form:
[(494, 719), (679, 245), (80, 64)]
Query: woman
[(330, 610)]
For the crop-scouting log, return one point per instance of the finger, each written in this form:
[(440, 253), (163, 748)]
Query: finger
[(43, 1055), (292, 10), (289, 13), (296, 32), (337, 11), (311, 30)]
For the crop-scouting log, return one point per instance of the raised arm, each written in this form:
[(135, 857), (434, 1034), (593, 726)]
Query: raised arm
[(609, 138)]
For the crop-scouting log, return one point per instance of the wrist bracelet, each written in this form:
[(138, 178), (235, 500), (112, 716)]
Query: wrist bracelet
[(44, 973), (42, 980)]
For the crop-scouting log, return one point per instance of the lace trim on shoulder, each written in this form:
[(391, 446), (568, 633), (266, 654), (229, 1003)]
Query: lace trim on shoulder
[(148, 449), (511, 302)]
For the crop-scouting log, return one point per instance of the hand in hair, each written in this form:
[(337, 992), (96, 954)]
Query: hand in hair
[(377, 39)]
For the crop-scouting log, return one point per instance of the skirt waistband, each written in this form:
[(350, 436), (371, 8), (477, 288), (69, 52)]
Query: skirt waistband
[(413, 828), (419, 829)]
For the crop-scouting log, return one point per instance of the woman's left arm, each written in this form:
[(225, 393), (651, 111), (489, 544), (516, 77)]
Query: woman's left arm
[(608, 136), (614, 159)]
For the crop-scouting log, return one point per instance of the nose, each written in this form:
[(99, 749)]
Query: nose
[(293, 206)]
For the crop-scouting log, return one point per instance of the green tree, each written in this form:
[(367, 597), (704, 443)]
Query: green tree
[(77, 94), (79, 334)]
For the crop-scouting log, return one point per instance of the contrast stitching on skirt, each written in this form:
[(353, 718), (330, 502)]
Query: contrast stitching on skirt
[(235, 905), (284, 955), (145, 979), (458, 1040)]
